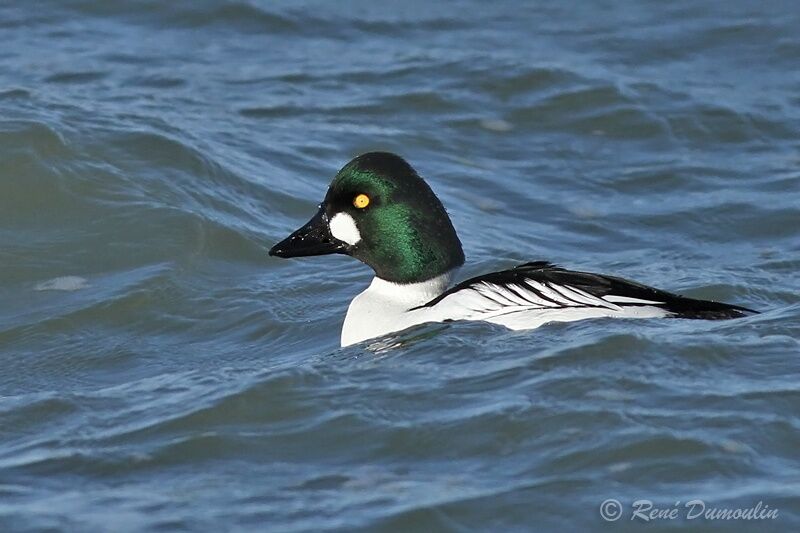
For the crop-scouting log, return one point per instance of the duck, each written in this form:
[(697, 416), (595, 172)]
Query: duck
[(380, 211)]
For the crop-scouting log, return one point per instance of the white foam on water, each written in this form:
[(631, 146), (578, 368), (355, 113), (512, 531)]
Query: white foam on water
[(63, 283), (496, 124)]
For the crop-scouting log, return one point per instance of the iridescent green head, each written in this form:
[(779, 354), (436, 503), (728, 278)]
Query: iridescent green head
[(381, 212)]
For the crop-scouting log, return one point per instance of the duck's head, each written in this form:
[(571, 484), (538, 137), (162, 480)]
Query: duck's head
[(381, 212)]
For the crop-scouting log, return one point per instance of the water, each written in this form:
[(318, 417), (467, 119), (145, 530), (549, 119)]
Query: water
[(162, 373)]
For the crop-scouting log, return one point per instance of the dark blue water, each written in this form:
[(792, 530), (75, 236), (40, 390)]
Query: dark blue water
[(161, 373)]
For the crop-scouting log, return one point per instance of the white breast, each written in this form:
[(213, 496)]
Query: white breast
[(385, 307)]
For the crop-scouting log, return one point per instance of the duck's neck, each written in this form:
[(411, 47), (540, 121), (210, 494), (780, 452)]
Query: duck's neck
[(410, 294)]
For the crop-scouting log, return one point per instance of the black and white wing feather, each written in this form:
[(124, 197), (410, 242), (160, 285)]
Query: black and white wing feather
[(532, 294)]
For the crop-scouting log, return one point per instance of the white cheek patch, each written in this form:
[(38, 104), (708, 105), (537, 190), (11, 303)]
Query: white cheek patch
[(344, 228)]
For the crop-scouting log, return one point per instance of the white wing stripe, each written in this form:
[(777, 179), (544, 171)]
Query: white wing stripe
[(511, 294), (593, 300), (527, 296), (556, 296), (493, 292), (481, 304), (574, 296), (538, 295), (629, 300)]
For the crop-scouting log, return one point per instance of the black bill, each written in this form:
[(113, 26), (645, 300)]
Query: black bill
[(314, 238)]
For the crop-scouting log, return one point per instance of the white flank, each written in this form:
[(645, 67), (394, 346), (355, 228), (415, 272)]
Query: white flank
[(344, 228), (516, 307)]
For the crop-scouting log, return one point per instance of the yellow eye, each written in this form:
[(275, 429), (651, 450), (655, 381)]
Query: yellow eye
[(361, 201)]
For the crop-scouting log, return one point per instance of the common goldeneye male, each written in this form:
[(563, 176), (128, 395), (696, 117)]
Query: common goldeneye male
[(380, 211)]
